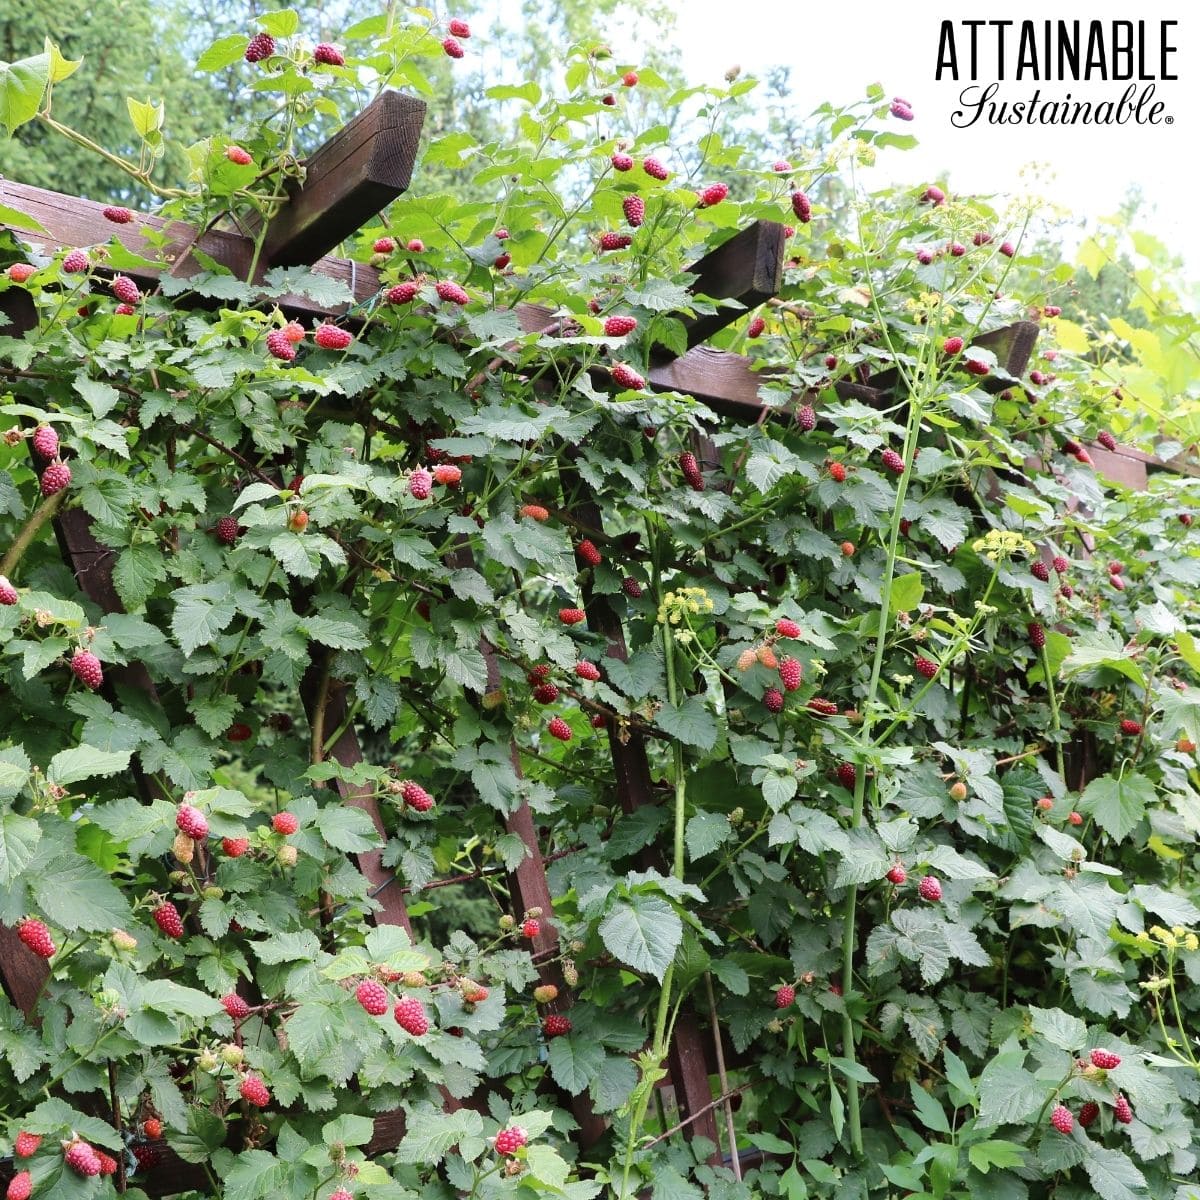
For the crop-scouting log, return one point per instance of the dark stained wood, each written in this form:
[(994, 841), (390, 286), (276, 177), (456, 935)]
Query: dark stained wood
[(381, 881), (747, 268), (723, 381), (18, 313), (351, 178)]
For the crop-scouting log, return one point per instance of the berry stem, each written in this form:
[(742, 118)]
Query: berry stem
[(29, 531)]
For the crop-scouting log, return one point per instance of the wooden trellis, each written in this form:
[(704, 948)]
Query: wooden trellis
[(350, 179)]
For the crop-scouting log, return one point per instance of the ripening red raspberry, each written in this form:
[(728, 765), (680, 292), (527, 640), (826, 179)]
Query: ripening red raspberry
[(1106, 440), (892, 461), (787, 628), (452, 292), (621, 162), (166, 917), (76, 262), (1122, 1110), (535, 512), (588, 554), (126, 290), (190, 820), (925, 257), (509, 1141), (20, 1187), (45, 441), (54, 478), (420, 484), (26, 1144), (847, 775), (975, 367), (1129, 727), (957, 249), (619, 326), (255, 1092), (615, 241), (285, 822), (459, 28), (629, 79), (713, 194), (1061, 1119), (1075, 818), (82, 1159), (19, 272), (587, 670), (452, 48), (802, 207), (773, 700), (555, 1025), (34, 934), (327, 55), (924, 666), (85, 666), (235, 847), (530, 928), (235, 1006), (1060, 564), (1052, 310), (756, 327), (373, 996), (447, 475), (558, 728), (384, 245), (785, 996), (930, 888), (1039, 570), (402, 293), (261, 45), (416, 246), (634, 208), (1106, 1060), (410, 1016), (279, 345), (415, 796), (627, 377), (655, 169), (790, 674), (981, 238), (690, 468), (897, 875), (837, 472), (571, 616), (952, 345), (822, 707), (236, 154), (331, 337), (118, 216)]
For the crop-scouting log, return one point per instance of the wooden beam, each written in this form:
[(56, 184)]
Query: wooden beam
[(351, 178), (747, 268)]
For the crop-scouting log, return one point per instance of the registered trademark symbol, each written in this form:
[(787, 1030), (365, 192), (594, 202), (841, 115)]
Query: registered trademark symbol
[(1170, 120)]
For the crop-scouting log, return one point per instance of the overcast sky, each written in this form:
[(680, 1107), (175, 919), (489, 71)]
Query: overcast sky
[(836, 49)]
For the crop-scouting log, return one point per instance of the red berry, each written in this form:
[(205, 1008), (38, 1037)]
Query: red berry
[(447, 475), (545, 693), (837, 472), (974, 367), (847, 775), (124, 310), (85, 666), (459, 29), (126, 290), (790, 673), (802, 207), (54, 478), (280, 345), (166, 917), (897, 875), (629, 79), (901, 109), (787, 628), (781, 166), (558, 728), (1045, 803), (531, 929), (239, 732), (236, 154), (384, 245), (924, 257), (402, 293), (1039, 570), (410, 1016), (755, 329), (934, 195), (26, 1144), (627, 377), (957, 249), (147, 1156), (1115, 568), (415, 796), (1122, 1111), (1088, 1113), (108, 1164), (587, 552), (691, 471), (713, 194), (773, 700), (654, 168), (619, 326), (20, 1187), (571, 616), (227, 530), (328, 55), (191, 821), (952, 345), (36, 936), (420, 484), (1185, 519), (539, 674), (892, 461), (555, 1025), (82, 1159), (502, 261), (631, 587), (373, 997), (19, 272), (119, 216), (1037, 635), (1130, 728), (510, 1140), (1007, 249), (924, 666), (285, 822), (634, 208), (254, 1091), (930, 888), (331, 337), (1061, 1119), (784, 996), (587, 670), (1052, 310), (452, 48), (416, 246), (982, 239), (262, 45), (1060, 564), (452, 292), (235, 1006), (615, 241), (1106, 1060), (75, 262)]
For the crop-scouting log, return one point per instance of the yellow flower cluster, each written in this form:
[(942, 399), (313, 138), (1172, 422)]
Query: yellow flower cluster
[(1002, 543), (927, 306), (1171, 938), (686, 601)]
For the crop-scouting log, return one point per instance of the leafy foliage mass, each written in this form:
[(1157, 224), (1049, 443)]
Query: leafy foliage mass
[(925, 808)]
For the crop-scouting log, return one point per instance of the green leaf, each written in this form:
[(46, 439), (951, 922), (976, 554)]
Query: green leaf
[(430, 1135), (1113, 1174), (222, 53), (347, 829), (705, 832), (84, 762), (280, 24), (644, 932), (1008, 1093), (928, 1109), (995, 1153), (254, 1174), (14, 771), (907, 592), (1060, 1029), (575, 1061), (74, 893), (22, 85), (1117, 803), (20, 220), (147, 118), (690, 722), (201, 613), (19, 837)]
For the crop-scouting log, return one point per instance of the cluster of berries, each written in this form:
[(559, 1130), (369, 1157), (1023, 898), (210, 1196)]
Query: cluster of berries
[(791, 670)]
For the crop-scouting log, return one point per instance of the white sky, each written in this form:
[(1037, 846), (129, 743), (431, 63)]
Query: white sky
[(835, 49)]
